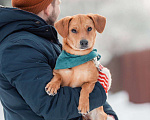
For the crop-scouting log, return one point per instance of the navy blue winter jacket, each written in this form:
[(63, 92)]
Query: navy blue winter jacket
[(28, 52)]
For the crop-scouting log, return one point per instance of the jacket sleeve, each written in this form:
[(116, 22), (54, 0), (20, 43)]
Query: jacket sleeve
[(28, 70), (108, 110)]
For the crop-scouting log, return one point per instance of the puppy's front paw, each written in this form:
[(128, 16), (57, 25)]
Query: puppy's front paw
[(83, 107), (51, 88)]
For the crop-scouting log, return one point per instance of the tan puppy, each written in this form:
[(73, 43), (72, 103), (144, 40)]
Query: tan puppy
[(79, 33)]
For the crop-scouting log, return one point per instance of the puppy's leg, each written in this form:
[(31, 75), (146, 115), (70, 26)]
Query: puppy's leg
[(83, 107), (99, 114), (96, 114), (52, 87)]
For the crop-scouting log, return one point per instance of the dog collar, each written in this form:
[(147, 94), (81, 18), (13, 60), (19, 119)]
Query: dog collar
[(67, 60)]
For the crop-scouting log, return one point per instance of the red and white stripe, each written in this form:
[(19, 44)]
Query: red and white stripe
[(104, 78)]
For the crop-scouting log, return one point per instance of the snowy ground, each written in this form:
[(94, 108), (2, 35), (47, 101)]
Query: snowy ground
[(127, 110), (1, 113), (124, 109)]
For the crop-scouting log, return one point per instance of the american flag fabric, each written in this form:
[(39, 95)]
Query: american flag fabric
[(103, 78)]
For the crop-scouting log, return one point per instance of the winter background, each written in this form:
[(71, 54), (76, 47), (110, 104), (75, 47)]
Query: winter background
[(127, 30)]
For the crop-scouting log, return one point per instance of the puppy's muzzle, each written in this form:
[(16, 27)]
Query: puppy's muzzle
[(83, 44)]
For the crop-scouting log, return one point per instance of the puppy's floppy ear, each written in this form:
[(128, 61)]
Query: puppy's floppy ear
[(62, 26), (99, 22)]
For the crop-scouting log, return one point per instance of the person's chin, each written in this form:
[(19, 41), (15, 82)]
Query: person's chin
[(50, 21)]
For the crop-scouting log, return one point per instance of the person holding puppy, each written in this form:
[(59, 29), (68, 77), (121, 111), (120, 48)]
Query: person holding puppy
[(29, 48)]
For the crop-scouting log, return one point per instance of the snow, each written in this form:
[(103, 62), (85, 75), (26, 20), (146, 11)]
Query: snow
[(1, 112), (127, 110), (124, 109)]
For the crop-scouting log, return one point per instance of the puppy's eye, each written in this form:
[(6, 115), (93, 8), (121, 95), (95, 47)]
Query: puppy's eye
[(89, 29), (74, 31)]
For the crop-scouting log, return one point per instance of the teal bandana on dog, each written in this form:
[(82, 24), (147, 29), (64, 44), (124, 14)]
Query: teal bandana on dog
[(67, 60)]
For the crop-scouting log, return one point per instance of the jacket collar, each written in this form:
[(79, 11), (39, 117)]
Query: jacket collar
[(13, 19)]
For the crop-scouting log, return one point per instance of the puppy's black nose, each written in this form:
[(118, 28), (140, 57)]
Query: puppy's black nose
[(84, 44)]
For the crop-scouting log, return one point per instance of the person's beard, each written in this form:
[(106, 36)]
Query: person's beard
[(52, 18), (50, 21)]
